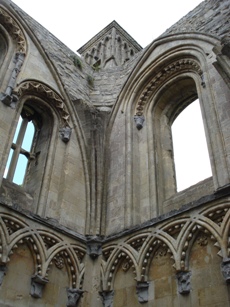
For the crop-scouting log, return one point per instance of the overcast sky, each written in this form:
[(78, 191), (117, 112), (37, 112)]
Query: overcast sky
[(75, 22)]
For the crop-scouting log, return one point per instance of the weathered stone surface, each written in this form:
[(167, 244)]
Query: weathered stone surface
[(98, 209)]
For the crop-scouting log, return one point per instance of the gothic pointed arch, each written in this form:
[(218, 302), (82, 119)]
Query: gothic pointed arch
[(114, 259), (157, 91), (51, 96)]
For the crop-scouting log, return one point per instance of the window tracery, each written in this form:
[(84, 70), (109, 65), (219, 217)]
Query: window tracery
[(22, 148)]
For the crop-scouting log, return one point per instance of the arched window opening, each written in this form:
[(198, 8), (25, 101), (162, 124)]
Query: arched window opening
[(22, 148), (191, 158)]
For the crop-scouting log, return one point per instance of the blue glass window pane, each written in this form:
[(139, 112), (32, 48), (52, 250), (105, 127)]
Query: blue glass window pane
[(29, 135), (8, 163), (17, 130), (20, 170)]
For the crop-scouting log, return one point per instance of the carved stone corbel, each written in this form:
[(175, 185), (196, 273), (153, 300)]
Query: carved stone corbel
[(65, 134), (139, 120), (183, 282), (73, 296), (142, 291), (94, 247), (2, 272), (107, 297), (37, 285), (9, 100), (225, 268)]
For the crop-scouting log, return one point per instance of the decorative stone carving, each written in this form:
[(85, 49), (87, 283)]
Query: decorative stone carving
[(142, 291), (94, 248), (50, 94), (126, 266), (65, 134), (161, 252), (2, 272), (73, 297), (202, 240), (14, 29), (139, 120), (225, 268), (37, 285), (107, 297), (8, 98), (183, 282), (167, 72), (59, 262)]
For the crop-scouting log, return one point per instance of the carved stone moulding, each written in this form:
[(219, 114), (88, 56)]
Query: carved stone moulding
[(57, 101), (73, 296), (183, 282), (174, 68), (14, 29)]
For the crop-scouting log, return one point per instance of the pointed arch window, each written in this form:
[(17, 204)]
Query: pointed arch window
[(22, 148), (177, 96)]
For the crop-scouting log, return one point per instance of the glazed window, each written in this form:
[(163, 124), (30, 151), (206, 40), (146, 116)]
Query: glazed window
[(191, 156), (22, 148)]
